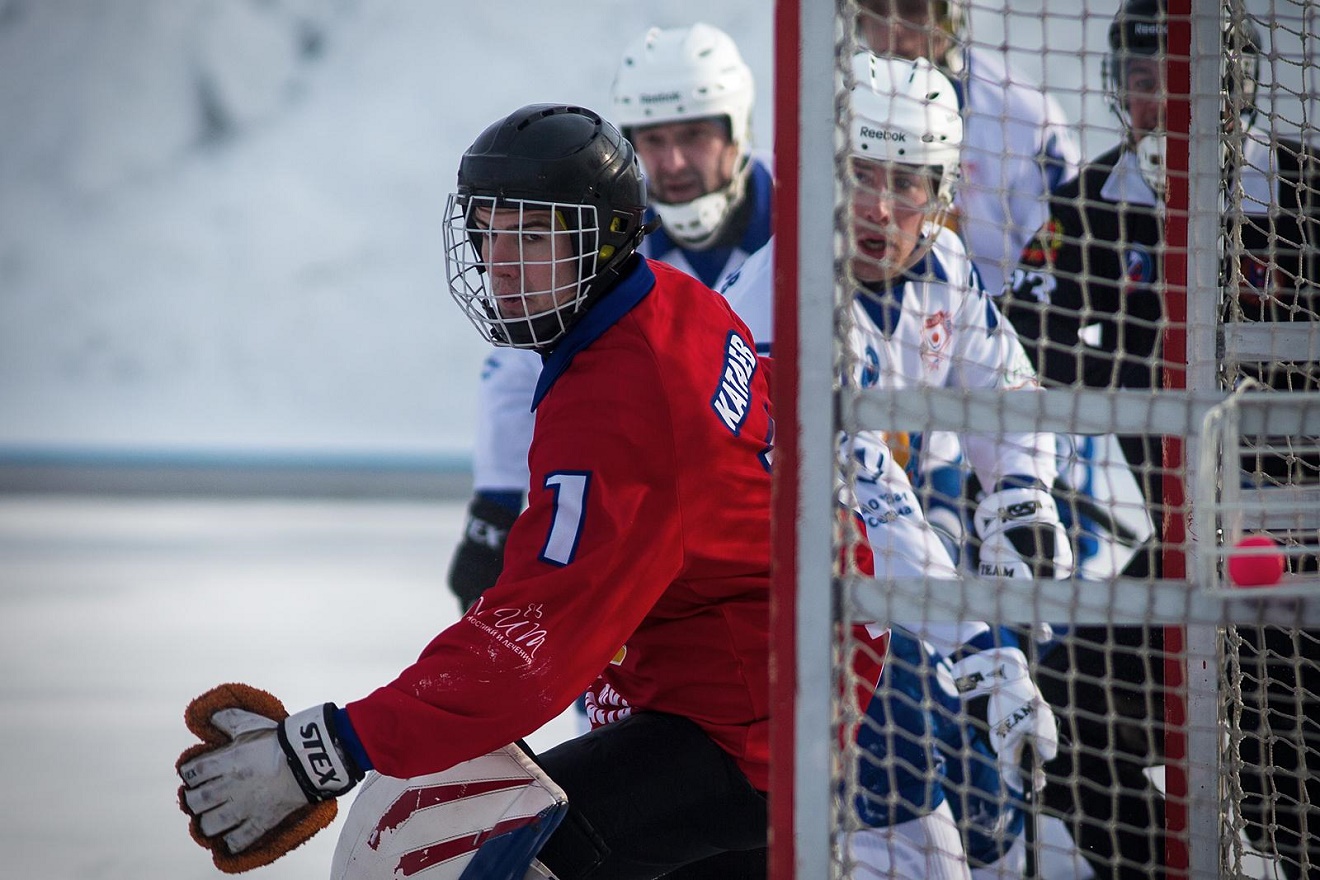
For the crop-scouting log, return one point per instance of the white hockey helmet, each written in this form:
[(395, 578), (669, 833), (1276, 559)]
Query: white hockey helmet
[(681, 75), (906, 112)]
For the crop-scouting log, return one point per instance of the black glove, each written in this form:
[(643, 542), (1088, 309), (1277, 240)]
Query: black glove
[(479, 559)]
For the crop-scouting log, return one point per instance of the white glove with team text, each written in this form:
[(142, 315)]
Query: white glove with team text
[(1021, 535), (1015, 711), (265, 773)]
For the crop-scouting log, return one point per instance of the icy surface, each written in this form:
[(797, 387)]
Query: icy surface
[(114, 614)]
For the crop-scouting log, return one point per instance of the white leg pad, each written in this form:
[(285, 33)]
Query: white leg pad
[(433, 827)]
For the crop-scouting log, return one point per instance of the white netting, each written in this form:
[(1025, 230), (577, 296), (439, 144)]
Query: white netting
[(1166, 299)]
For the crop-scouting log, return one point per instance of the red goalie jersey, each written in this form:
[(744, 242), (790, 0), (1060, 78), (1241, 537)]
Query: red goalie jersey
[(642, 561)]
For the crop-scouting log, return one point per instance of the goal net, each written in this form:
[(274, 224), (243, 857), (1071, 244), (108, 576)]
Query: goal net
[(1162, 289)]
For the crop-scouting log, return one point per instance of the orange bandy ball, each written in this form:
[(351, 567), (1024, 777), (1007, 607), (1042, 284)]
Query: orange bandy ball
[(1257, 569)]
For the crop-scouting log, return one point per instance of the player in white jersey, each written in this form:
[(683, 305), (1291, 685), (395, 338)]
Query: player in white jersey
[(921, 319), (1019, 147), (1019, 144), (684, 97)]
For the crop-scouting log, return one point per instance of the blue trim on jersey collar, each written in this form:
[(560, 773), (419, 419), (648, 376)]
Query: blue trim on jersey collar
[(884, 304), (958, 86), (627, 292), (761, 192), (928, 265), (706, 265)]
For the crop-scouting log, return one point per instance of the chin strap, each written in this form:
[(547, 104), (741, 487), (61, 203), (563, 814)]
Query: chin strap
[(697, 225)]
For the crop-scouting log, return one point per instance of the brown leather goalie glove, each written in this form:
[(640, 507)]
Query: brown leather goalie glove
[(261, 782)]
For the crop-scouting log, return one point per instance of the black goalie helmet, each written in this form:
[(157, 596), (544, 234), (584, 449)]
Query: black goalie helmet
[(547, 211), (1141, 29)]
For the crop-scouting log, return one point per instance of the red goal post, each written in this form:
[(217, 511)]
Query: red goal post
[(1204, 351)]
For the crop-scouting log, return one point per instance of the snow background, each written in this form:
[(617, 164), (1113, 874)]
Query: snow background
[(220, 222), (220, 219), (220, 242)]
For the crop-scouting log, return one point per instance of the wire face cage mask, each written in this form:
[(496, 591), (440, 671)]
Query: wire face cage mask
[(520, 269)]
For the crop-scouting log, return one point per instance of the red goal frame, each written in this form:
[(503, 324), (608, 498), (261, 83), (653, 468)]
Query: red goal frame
[(803, 48)]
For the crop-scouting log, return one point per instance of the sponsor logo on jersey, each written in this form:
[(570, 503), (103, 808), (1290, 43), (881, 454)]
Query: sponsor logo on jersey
[(1044, 247), (870, 367), (936, 331), (1138, 265), (731, 281), (518, 629), (1261, 280), (734, 395), (1000, 570)]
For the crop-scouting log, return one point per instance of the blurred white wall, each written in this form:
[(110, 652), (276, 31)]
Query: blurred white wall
[(220, 219)]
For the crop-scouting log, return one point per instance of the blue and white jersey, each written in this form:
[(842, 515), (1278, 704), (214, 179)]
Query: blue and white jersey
[(921, 752), (897, 531), (935, 327), (1017, 147), (508, 377)]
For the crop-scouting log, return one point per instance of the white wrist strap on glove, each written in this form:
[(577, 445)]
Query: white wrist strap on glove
[(1016, 712), (307, 740), (1021, 535)]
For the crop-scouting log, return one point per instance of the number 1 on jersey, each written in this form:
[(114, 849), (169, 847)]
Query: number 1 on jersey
[(566, 525)]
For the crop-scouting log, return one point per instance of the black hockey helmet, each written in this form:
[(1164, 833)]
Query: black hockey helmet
[(565, 155), (555, 157), (1140, 28)]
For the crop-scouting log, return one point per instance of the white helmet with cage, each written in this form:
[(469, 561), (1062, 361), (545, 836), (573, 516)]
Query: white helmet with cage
[(906, 112), (683, 75)]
